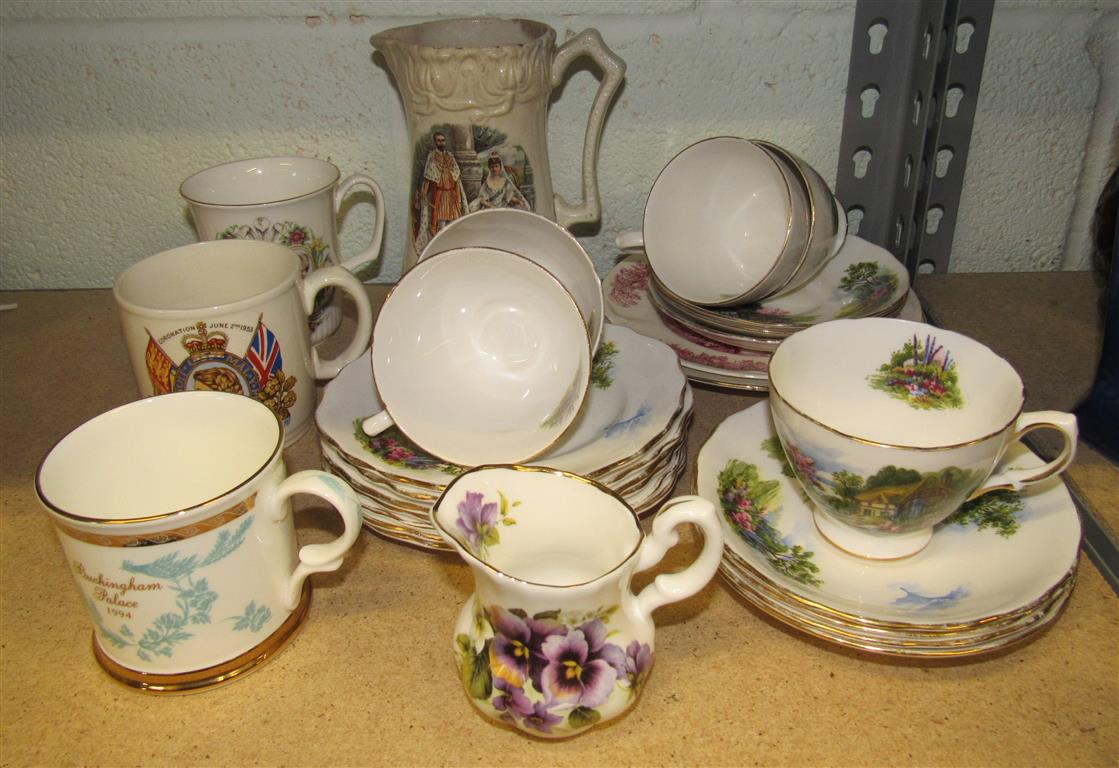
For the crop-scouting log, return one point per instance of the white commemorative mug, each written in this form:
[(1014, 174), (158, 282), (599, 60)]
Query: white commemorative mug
[(174, 516)]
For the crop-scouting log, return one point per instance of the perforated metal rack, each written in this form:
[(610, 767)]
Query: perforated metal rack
[(912, 88)]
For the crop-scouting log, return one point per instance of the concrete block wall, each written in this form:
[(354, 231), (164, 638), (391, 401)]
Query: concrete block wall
[(106, 106)]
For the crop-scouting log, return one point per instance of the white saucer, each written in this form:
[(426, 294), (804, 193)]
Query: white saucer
[(966, 576), (638, 393), (862, 280)]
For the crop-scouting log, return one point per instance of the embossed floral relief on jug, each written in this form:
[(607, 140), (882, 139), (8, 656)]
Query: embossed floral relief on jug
[(475, 94)]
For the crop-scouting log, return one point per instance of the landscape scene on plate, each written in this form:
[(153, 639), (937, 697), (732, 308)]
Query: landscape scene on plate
[(194, 599), (922, 374), (395, 449), (460, 169), (751, 503), (865, 289)]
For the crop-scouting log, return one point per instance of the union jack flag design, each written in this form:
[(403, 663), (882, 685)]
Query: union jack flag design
[(264, 353)]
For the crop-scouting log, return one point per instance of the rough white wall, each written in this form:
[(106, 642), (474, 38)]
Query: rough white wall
[(106, 106)]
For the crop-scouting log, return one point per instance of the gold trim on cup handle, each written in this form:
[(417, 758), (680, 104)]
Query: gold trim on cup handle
[(588, 43), (1014, 479), (316, 558), (669, 588), (372, 252), (340, 277)]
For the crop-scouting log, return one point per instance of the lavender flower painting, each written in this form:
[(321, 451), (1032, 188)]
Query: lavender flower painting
[(478, 521), (922, 374), (548, 674)]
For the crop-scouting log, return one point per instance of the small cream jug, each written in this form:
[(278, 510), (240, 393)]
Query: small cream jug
[(553, 640), (475, 94)]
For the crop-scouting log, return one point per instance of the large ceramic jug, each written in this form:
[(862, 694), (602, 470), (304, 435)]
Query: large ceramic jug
[(554, 640), (475, 95)]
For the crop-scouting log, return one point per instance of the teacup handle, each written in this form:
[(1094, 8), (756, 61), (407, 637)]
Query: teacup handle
[(668, 588), (315, 558), (630, 241), (1015, 478), (588, 43), (314, 282), (340, 192), (377, 423)]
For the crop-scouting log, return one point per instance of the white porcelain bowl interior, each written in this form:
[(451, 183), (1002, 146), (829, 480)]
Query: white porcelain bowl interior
[(259, 181), (717, 221), (481, 356), (538, 239), (825, 374)]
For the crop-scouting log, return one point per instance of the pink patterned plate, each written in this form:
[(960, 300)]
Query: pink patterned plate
[(626, 289)]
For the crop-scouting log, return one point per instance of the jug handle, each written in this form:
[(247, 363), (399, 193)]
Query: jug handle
[(588, 43), (670, 587)]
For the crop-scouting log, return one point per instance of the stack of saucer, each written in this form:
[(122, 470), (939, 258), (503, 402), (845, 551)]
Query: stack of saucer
[(630, 437), (994, 574), (731, 346)]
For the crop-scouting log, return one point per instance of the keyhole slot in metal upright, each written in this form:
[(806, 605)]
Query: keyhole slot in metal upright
[(912, 89)]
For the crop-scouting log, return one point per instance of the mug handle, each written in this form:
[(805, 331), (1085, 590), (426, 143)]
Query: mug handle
[(588, 43), (377, 423), (630, 241), (668, 588), (1014, 478), (315, 558), (373, 251), (314, 282)]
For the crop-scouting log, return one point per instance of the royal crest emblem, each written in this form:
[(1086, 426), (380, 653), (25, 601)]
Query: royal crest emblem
[(209, 365)]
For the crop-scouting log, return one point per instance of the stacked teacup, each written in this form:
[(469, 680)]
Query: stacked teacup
[(744, 244), (493, 350)]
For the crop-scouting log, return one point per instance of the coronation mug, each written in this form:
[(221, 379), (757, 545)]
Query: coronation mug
[(174, 516), (231, 316)]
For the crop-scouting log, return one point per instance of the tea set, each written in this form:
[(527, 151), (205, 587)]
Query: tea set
[(510, 407)]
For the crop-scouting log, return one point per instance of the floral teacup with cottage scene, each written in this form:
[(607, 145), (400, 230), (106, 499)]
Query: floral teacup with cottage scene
[(553, 640), (890, 426)]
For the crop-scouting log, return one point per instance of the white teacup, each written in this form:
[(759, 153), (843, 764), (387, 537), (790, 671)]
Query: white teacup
[(480, 356), (175, 519), (536, 238), (231, 315), (293, 201), (725, 223), (891, 425)]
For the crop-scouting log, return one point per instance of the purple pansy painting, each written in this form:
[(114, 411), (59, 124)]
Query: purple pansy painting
[(548, 674)]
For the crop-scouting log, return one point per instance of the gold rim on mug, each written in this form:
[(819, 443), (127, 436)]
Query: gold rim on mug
[(337, 174), (219, 674), (793, 170), (788, 222), (162, 515)]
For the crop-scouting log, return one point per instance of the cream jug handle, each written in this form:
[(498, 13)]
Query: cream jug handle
[(374, 248), (1014, 478), (314, 558), (668, 588), (319, 279), (588, 43)]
